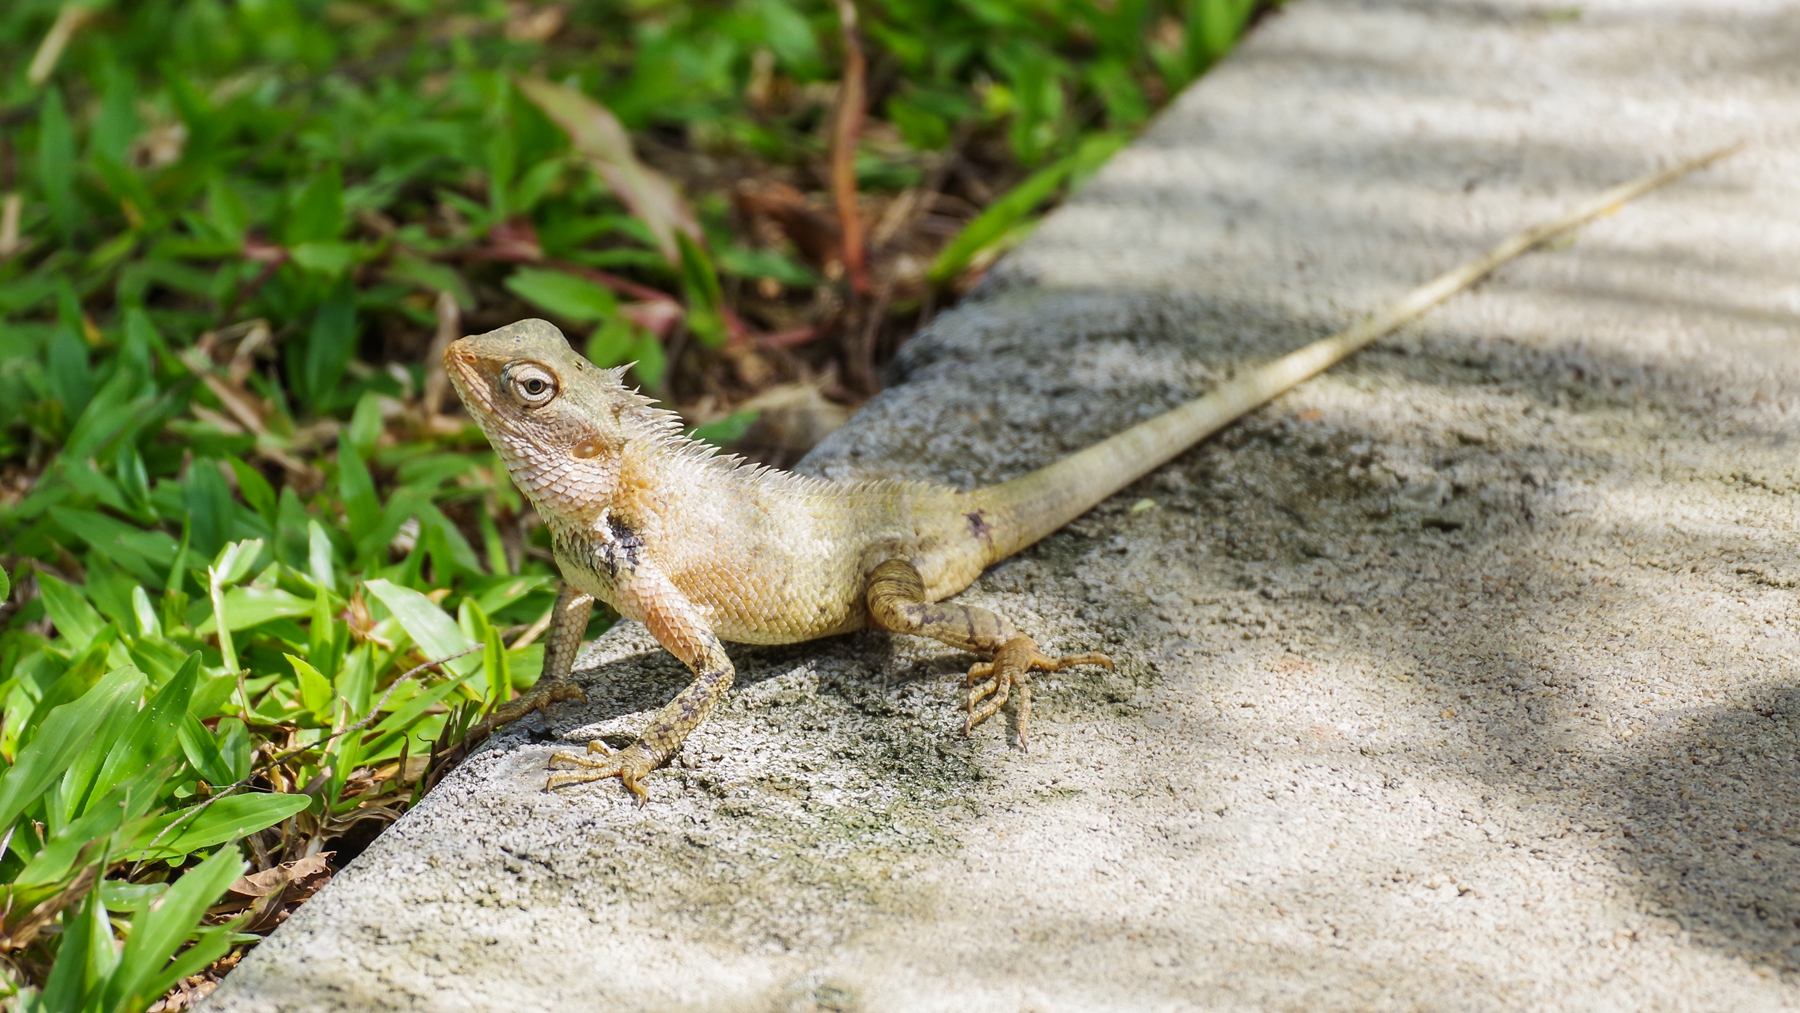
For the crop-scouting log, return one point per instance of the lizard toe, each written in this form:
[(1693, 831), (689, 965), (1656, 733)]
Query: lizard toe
[(991, 683), (600, 762)]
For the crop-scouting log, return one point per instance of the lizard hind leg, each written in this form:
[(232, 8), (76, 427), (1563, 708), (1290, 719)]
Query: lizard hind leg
[(898, 604)]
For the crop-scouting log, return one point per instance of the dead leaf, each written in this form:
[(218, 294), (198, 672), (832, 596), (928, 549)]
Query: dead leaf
[(600, 138), (524, 24), (268, 881), (657, 316)]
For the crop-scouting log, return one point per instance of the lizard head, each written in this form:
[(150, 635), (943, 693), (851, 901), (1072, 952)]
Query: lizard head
[(559, 422)]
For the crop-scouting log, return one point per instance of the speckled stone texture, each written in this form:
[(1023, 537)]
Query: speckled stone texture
[(1462, 678)]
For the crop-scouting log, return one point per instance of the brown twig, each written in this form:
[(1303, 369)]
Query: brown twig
[(846, 126), (860, 356)]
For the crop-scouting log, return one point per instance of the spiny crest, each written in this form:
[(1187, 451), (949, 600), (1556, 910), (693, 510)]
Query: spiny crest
[(664, 428), (642, 418)]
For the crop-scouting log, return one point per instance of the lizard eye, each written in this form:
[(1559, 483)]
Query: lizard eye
[(532, 385)]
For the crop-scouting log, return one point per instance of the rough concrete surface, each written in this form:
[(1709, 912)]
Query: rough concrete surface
[(1462, 677)]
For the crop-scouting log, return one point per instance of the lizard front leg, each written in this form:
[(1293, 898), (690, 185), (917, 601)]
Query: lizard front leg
[(680, 628), (568, 621), (897, 603)]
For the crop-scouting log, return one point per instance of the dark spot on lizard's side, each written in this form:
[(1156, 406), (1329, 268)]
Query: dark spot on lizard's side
[(622, 549), (979, 526)]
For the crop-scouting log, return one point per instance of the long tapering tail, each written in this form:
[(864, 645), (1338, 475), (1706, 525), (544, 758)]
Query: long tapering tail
[(1031, 506)]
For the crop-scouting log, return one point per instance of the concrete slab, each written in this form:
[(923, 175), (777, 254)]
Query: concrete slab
[(1460, 678)]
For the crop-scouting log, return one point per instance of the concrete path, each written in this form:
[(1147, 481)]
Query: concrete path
[(1462, 678)]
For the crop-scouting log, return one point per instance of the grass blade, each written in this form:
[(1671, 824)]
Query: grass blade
[(226, 818), (60, 739), (431, 629), (159, 931)]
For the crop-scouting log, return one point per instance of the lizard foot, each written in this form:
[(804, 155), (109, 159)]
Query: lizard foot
[(991, 682), (601, 761), (537, 698), (540, 696)]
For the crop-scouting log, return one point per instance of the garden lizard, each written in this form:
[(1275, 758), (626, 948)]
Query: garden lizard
[(704, 549)]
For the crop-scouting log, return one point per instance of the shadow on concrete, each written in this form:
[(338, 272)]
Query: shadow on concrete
[(1694, 811), (1711, 816)]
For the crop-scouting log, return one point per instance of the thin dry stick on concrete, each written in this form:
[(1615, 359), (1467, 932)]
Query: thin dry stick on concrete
[(1149, 445)]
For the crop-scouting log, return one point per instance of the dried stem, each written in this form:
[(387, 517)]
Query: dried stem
[(846, 126)]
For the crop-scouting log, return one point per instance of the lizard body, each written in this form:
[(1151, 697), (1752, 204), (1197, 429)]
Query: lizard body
[(704, 548)]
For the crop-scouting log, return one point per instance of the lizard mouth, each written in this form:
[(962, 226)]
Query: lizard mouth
[(475, 384), (467, 377)]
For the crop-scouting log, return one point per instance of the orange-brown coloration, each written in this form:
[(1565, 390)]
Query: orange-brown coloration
[(704, 549)]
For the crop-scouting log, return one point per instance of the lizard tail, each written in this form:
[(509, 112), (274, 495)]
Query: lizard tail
[(1031, 506)]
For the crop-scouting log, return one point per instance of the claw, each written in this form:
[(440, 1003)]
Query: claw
[(1012, 666), (599, 762)]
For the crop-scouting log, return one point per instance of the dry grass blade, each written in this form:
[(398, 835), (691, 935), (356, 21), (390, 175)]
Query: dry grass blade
[(846, 127), (599, 136), (68, 21), (437, 382), (26, 930), (12, 206)]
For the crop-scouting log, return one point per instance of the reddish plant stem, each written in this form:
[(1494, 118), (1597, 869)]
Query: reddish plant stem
[(623, 286), (847, 125), (789, 339), (273, 257)]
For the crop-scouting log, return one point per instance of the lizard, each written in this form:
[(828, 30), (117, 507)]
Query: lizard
[(704, 548)]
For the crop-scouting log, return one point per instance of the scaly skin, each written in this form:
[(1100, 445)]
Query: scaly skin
[(704, 549)]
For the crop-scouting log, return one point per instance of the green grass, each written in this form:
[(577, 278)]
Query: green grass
[(239, 537)]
